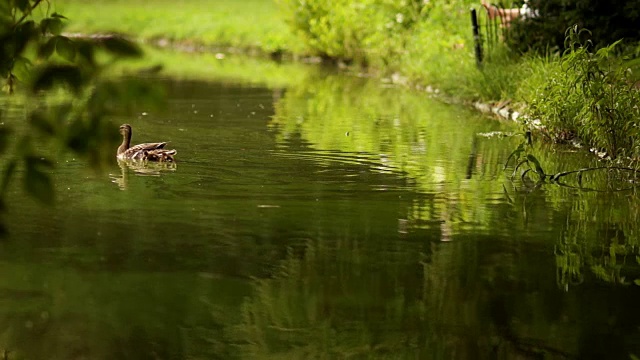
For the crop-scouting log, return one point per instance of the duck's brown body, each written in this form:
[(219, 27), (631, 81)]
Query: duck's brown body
[(142, 152)]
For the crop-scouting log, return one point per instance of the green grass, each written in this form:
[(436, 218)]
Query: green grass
[(247, 24)]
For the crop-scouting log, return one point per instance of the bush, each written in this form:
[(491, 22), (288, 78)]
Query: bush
[(609, 21), (359, 31), (588, 94)]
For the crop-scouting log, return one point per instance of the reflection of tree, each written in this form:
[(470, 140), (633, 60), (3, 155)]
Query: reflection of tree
[(401, 132), (338, 300), (599, 222), (347, 299), (489, 290)]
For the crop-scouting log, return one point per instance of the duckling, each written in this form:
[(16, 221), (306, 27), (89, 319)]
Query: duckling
[(142, 152)]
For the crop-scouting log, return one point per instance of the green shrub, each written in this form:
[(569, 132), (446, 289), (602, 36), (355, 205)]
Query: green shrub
[(609, 21), (588, 94), (361, 31)]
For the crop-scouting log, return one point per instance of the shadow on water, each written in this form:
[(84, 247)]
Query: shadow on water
[(334, 219)]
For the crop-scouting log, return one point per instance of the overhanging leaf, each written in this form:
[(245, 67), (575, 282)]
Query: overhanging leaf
[(22, 35), (23, 5), (46, 50), (4, 138), (22, 65), (52, 25), (86, 52), (121, 47), (77, 136), (37, 181), (3, 228), (66, 48), (41, 122), (7, 172), (53, 75)]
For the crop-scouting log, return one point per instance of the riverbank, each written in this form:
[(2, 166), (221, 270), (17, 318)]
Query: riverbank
[(439, 54), (425, 46), (255, 25)]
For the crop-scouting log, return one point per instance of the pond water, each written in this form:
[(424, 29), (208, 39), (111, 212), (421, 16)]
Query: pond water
[(339, 219)]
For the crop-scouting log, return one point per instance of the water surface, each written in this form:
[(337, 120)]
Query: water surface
[(338, 219)]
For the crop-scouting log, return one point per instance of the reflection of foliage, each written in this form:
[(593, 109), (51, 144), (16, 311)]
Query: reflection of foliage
[(69, 98), (617, 178), (578, 243), (398, 132), (353, 299), (334, 302), (611, 263), (569, 261)]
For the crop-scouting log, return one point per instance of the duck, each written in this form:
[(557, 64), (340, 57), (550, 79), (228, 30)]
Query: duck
[(142, 152)]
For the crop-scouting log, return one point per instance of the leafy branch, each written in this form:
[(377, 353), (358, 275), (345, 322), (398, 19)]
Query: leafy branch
[(76, 118)]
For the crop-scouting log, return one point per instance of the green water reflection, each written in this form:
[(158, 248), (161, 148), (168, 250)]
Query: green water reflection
[(334, 219)]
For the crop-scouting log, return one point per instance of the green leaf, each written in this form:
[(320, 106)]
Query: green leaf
[(60, 114), (23, 5), (66, 48), (515, 153), (53, 74), (59, 16), (37, 181), (22, 65), (637, 282), (506, 194), (86, 51), (51, 25), (40, 121), (536, 163), (46, 50), (7, 172), (3, 228), (579, 178), (5, 132), (22, 35), (515, 170), (121, 47), (77, 136)]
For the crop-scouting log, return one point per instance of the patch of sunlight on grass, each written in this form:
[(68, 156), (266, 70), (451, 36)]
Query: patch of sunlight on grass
[(246, 24)]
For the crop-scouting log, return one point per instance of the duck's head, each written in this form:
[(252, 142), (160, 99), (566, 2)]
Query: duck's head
[(125, 130)]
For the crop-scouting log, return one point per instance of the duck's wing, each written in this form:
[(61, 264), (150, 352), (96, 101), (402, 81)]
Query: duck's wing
[(149, 146), (161, 155), (140, 151)]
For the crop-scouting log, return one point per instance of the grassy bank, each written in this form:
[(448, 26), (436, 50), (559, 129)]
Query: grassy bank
[(587, 95), (249, 24), (438, 51)]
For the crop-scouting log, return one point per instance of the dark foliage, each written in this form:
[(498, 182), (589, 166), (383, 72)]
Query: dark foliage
[(608, 21)]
